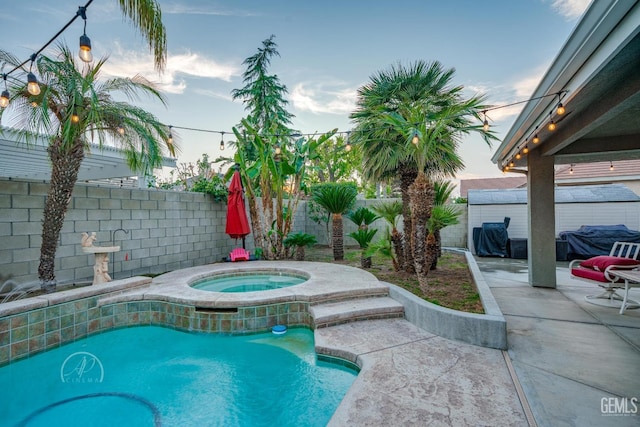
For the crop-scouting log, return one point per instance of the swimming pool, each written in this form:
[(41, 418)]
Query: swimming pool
[(151, 375), (248, 282)]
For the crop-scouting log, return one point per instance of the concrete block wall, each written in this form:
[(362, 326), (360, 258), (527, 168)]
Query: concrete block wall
[(167, 230), (453, 236)]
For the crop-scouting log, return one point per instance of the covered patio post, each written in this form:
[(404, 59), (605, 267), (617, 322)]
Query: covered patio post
[(542, 234)]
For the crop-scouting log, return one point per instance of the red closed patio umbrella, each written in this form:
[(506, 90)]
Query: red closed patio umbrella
[(237, 222)]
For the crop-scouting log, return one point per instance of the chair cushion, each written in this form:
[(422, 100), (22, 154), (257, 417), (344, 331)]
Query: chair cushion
[(588, 273), (600, 263)]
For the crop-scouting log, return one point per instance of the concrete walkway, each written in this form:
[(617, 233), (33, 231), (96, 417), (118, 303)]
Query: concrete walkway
[(569, 363), (569, 355)]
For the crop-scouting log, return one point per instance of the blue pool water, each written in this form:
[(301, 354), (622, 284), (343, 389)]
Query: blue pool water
[(247, 283), (148, 375)]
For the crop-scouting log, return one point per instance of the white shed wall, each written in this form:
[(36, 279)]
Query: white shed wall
[(569, 216)]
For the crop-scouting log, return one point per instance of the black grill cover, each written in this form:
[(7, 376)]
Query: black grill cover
[(593, 240), (492, 239)]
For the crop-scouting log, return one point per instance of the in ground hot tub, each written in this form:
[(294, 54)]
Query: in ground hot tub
[(248, 281)]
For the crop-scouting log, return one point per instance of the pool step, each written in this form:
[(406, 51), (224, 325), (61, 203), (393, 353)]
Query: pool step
[(335, 313)]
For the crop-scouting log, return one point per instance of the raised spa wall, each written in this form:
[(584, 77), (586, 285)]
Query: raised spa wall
[(40, 323)]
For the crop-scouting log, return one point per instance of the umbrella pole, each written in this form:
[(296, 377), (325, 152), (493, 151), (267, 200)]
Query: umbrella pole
[(243, 243)]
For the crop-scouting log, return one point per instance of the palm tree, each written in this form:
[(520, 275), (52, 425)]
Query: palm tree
[(390, 212), (336, 198), (300, 240), (147, 17), (442, 194), (362, 217), (402, 106), (76, 107), (385, 157), (364, 236), (441, 216)]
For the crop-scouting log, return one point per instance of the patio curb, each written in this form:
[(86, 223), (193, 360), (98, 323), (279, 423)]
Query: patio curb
[(486, 330)]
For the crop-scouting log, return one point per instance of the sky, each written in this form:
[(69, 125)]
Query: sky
[(328, 49)]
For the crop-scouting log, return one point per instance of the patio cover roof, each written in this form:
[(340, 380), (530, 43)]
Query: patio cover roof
[(598, 66), (573, 194), (17, 160)]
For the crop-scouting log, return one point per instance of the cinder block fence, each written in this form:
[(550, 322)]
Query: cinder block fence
[(161, 230)]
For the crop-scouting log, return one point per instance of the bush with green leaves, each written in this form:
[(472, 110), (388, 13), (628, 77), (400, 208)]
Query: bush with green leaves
[(336, 198), (300, 240), (364, 237), (214, 186)]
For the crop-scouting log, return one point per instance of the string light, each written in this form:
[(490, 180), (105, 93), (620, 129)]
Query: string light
[(571, 169), (535, 139), (85, 42), (32, 82), (4, 98), (222, 141), (120, 129), (518, 156), (525, 150), (485, 124), (415, 139), (75, 118), (170, 137), (610, 166), (348, 146), (278, 150), (560, 110), (552, 125)]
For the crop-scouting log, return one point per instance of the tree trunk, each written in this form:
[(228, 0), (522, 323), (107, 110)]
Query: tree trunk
[(438, 243), (422, 194), (338, 243), (432, 251), (299, 253), (407, 178), (365, 261), (65, 166), (396, 241)]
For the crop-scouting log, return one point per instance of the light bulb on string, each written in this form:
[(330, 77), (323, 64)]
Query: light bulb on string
[(485, 124), (571, 170), (551, 126), (348, 146), (4, 98), (560, 110), (75, 118), (525, 150), (535, 139), (85, 42), (32, 84), (610, 166), (120, 129), (518, 156), (415, 139), (278, 150), (222, 141), (170, 137)]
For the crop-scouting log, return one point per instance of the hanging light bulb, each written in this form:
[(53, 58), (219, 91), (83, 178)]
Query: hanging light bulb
[(120, 129), (571, 170), (518, 156), (485, 124), (75, 118), (511, 164), (85, 42), (34, 104), (32, 84), (348, 146), (278, 150), (4, 98), (415, 139), (525, 150), (535, 139), (560, 110), (170, 137), (610, 166), (85, 49), (222, 141), (551, 126)]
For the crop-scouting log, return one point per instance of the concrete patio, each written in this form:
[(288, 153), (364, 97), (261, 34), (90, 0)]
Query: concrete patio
[(565, 358)]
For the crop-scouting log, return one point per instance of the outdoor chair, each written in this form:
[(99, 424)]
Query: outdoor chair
[(623, 256), (239, 254)]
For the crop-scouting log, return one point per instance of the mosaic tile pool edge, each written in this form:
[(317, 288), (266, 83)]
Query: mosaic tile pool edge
[(29, 333)]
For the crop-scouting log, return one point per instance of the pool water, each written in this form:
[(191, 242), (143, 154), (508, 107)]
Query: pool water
[(149, 375), (247, 283)]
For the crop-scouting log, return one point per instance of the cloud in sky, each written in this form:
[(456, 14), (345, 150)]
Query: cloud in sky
[(315, 98), (128, 63), (207, 9), (570, 9)]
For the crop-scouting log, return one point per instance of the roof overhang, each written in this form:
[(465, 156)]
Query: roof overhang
[(599, 67), (19, 160)]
